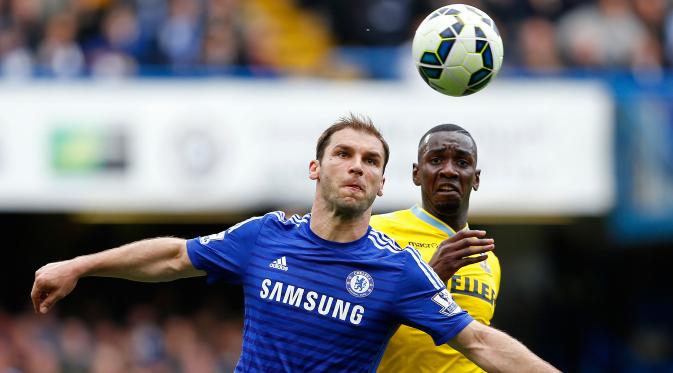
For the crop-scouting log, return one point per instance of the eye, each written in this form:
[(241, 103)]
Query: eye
[(342, 154), (435, 161), (462, 163)]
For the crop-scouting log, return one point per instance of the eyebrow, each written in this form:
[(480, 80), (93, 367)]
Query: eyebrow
[(460, 151), (368, 153)]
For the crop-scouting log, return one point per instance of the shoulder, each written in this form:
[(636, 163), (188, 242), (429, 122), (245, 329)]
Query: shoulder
[(389, 221), (275, 220), (279, 220), (413, 270), (390, 248), (390, 216), (383, 242)]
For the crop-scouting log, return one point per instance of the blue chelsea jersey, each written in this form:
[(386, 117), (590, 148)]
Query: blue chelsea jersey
[(313, 305)]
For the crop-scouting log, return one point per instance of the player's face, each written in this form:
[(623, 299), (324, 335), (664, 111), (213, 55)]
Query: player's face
[(350, 175), (446, 170)]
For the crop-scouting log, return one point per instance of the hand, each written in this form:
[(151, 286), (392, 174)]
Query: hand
[(52, 282), (455, 252)]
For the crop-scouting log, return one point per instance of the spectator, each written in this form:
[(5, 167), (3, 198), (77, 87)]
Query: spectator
[(201, 343), (59, 52), (605, 34), (537, 43), (180, 34)]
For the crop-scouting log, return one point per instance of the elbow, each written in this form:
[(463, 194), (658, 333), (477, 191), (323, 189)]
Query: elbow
[(169, 264), (180, 261), (473, 341)]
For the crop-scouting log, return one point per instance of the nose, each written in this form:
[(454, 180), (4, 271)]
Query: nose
[(356, 167), (449, 170)]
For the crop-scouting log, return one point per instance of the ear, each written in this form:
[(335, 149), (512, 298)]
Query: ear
[(414, 175), (475, 184), (314, 170), (380, 192)]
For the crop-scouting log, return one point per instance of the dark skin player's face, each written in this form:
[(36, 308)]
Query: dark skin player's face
[(446, 172)]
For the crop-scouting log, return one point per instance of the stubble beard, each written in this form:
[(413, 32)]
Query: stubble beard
[(443, 207), (348, 210)]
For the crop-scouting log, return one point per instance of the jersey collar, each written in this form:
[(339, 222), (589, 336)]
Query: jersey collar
[(428, 218), (332, 244)]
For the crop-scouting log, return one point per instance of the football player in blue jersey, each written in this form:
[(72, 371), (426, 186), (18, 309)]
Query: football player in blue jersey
[(323, 292)]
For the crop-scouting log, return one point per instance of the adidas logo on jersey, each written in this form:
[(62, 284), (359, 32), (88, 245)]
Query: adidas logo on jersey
[(279, 263)]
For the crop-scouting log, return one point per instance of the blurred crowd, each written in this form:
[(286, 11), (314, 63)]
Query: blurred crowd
[(333, 38), (201, 343)]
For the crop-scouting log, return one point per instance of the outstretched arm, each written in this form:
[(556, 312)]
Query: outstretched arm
[(495, 351), (153, 260)]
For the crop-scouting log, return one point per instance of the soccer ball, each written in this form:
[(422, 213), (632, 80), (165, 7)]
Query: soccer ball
[(457, 50)]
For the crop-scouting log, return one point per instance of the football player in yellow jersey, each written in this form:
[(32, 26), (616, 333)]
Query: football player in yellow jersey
[(447, 173)]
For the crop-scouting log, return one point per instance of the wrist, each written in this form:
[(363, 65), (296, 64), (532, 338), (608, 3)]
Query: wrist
[(80, 266)]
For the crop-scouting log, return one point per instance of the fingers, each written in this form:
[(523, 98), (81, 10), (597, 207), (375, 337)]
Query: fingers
[(34, 295), (465, 236), (472, 260), (43, 297), (455, 257), (44, 292), (49, 300), (472, 250), (467, 233), (476, 245)]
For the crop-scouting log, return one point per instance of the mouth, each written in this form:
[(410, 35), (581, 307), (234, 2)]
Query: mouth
[(354, 187), (447, 188)]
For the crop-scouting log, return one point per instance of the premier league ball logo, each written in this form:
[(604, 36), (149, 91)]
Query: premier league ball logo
[(359, 284)]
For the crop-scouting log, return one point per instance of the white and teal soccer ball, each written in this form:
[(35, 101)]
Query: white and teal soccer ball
[(457, 50)]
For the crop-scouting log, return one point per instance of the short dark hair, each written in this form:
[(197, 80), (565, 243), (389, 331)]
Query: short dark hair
[(360, 123), (447, 128)]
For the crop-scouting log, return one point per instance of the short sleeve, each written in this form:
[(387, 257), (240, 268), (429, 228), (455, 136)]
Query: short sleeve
[(424, 303), (224, 256)]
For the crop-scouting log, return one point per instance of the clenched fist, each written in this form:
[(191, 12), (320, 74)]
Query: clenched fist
[(53, 282)]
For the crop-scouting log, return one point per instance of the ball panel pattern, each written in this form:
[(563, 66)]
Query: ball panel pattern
[(458, 50)]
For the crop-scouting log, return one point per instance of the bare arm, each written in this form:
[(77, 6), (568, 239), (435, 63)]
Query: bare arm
[(495, 351), (154, 260)]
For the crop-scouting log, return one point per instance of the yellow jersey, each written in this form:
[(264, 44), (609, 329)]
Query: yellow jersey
[(474, 287)]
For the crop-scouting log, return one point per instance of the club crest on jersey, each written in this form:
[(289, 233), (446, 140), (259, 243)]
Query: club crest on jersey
[(359, 284)]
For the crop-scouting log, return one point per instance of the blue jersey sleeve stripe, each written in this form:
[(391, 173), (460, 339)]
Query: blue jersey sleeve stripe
[(238, 225), (429, 273), (390, 240), (380, 246), (385, 240), (294, 219), (430, 270), (279, 214)]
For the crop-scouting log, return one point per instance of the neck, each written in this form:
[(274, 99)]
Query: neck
[(454, 218), (329, 226)]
